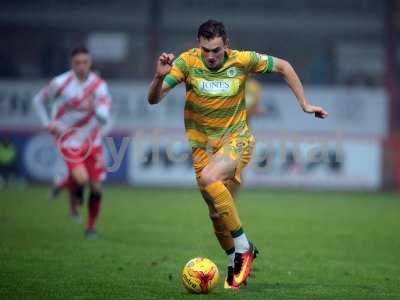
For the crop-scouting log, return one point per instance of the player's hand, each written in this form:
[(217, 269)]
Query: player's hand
[(53, 128), (164, 64), (318, 111)]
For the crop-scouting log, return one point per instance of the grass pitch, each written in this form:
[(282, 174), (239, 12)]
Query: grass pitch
[(320, 245)]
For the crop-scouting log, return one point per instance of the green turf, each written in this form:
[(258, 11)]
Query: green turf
[(313, 245)]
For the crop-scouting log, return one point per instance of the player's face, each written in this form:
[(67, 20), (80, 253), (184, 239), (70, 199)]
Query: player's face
[(81, 64), (213, 51)]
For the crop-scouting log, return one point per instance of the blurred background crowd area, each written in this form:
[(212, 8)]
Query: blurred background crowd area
[(346, 53), (329, 42)]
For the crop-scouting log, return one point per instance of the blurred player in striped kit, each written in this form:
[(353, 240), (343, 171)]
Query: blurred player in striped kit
[(80, 104)]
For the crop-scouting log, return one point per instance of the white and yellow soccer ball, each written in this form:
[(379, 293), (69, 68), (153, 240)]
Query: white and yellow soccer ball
[(200, 275)]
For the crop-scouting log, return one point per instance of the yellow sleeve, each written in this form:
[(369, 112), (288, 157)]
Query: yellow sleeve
[(178, 72), (256, 62)]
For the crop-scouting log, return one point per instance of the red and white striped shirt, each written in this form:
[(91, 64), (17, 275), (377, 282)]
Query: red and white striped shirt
[(79, 109)]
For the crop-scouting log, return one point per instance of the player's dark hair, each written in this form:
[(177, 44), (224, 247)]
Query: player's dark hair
[(79, 50), (212, 29)]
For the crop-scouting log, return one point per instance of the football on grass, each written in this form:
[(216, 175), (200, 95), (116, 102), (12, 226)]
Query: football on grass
[(200, 275)]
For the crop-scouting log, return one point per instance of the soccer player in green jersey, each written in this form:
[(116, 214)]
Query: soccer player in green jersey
[(216, 127)]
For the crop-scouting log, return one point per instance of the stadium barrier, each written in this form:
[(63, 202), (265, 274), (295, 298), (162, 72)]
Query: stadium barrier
[(147, 144)]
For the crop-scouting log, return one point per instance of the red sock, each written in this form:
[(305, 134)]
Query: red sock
[(75, 192), (94, 205)]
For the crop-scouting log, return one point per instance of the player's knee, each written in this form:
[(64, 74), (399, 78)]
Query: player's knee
[(80, 176), (208, 176), (81, 180)]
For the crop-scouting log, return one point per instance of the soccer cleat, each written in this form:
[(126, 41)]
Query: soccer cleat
[(90, 234), (228, 282), (243, 265)]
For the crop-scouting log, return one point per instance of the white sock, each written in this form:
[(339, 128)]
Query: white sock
[(231, 258), (241, 243)]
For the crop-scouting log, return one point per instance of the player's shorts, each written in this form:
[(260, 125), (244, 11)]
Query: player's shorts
[(238, 149), (92, 159)]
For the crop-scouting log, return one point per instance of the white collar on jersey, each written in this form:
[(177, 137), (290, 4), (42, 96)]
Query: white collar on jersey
[(89, 78)]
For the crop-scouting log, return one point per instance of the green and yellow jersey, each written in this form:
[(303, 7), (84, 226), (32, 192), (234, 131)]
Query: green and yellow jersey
[(215, 99)]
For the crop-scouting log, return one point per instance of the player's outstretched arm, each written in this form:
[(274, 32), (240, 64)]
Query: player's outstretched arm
[(286, 69), (157, 89), (39, 104)]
